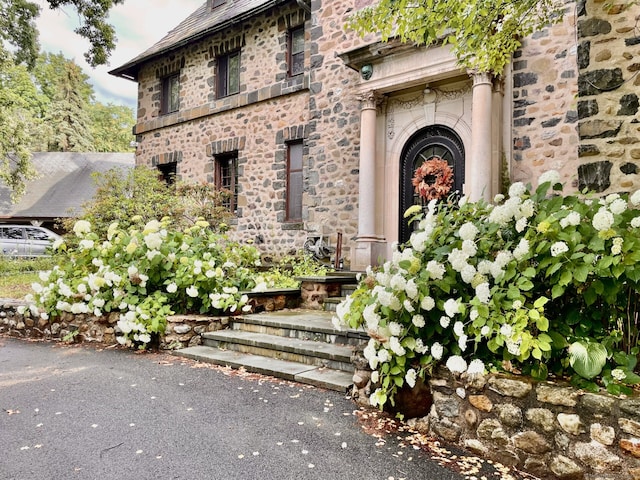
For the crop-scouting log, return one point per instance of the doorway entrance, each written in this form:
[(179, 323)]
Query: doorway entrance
[(436, 141)]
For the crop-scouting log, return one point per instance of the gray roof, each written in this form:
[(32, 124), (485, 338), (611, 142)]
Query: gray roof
[(199, 24), (64, 183)]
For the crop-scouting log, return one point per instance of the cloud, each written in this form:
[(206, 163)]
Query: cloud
[(138, 23)]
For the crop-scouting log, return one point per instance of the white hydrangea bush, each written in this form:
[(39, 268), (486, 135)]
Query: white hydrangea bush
[(146, 273), (492, 286)]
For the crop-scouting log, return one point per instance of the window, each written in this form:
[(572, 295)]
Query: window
[(294, 182), (168, 172), (296, 51), (170, 94), (228, 74), (226, 179), (216, 3)]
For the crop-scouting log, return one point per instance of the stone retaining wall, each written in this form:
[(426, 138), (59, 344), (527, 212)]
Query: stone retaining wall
[(182, 330), (550, 430)]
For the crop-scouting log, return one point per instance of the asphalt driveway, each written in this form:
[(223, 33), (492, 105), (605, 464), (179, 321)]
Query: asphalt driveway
[(72, 412)]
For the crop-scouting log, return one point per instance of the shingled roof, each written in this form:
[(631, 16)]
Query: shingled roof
[(64, 183), (201, 23)]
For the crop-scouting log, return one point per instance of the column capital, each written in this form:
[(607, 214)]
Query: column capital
[(480, 78), (370, 100)]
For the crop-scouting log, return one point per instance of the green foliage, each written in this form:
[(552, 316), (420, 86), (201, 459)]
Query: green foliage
[(111, 127), (18, 28), (139, 193), (146, 272), (283, 274), (483, 33), (538, 283)]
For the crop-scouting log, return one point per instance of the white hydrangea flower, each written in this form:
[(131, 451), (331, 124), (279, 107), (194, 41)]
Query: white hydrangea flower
[(517, 189), (468, 273), (498, 198), (458, 259), (427, 303), (462, 342), (192, 291), (396, 348), (558, 248), (420, 346), (384, 356), (483, 292), (444, 321), (517, 305), (398, 282), (412, 289), (484, 331), (437, 350), (521, 224), (618, 374), (436, 270), (476, 366), (458, 328), (468, 231), (153, 241), (371, 317), (573, 219), (513, 347), (410, 377), (81, 227), (616, 248), (602, 220), (375, 377), (86, 244), (506, 330), (469, 248), (635, 198), (395, 328), (618, 206), (451, 307), (419, 240), (473, 314), (456, 364), (521, 250), (172, 287), (635, 222), (551, 176), (418, 321)]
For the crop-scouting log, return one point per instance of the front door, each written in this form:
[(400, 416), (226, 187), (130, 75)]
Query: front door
[(437, 142)]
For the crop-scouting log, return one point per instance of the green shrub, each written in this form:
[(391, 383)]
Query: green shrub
[(146, 272), (540, 283), (140, 193), (284, 273)]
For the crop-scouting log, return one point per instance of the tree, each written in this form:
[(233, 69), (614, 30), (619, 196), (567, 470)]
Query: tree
[(111, 127), (67, 118), (17, 27), (19, 47), (483, 33)]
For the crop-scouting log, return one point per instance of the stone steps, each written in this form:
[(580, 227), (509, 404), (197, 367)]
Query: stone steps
[(298, 345)]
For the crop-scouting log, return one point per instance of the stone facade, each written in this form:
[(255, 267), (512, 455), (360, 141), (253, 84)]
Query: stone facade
[(566, 102), (575, 106)]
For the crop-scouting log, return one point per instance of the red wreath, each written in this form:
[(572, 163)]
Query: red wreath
[(439, 173)]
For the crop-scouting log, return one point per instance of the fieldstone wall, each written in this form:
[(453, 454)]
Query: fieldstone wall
[(545, 117), (182, 330), (609, 62), (550, 430), (575, 101)]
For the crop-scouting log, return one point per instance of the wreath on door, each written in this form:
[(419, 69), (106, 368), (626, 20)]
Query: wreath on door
[(433, 179)]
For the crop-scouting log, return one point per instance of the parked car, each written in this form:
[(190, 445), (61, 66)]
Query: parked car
[(25, 240)]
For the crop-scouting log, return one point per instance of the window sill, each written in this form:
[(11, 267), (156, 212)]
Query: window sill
[(293, 226)]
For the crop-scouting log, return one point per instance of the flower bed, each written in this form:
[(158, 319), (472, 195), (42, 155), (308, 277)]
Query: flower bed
[(539, 284)]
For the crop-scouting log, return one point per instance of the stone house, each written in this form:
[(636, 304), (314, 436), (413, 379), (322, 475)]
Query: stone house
[(315, 130)]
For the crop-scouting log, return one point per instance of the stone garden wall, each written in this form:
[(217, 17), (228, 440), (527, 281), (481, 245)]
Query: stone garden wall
[(550, 430)]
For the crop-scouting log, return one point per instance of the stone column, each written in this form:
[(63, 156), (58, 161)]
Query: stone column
[(367, 177), (479, 172), (364, 251)]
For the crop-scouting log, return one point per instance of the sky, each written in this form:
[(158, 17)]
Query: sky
[(138, 24)]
